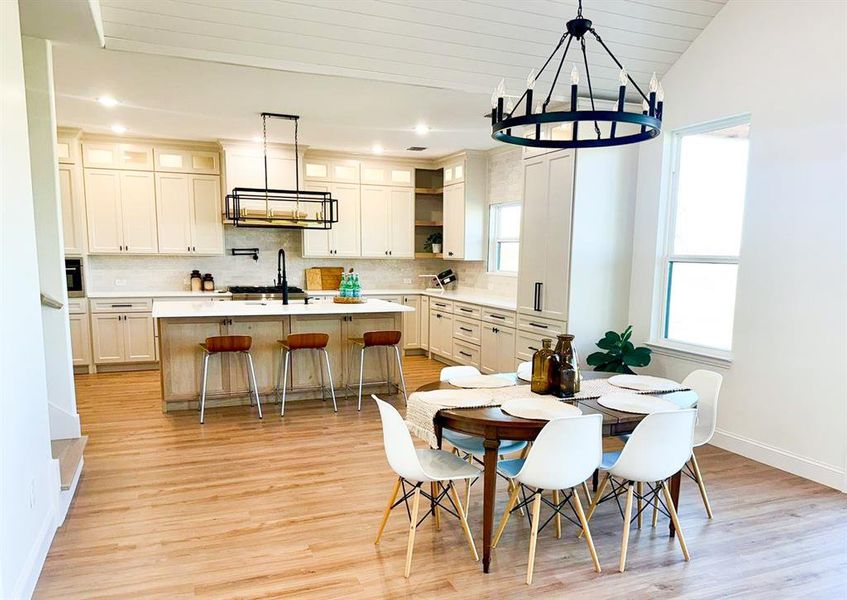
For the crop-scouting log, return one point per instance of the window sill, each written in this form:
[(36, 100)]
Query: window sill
[(700, 355)]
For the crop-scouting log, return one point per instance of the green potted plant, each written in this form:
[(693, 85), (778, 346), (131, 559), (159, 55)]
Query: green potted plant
[(619, 353), (433, 242)]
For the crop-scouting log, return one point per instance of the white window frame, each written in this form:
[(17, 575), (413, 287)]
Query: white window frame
[(660, 342), (493, 240)]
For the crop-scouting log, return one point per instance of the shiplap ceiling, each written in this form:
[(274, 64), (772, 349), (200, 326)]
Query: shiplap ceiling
[(359, 72), (465, 45)]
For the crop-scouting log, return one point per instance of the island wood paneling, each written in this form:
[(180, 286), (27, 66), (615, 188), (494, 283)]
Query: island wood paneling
[(289, 507)]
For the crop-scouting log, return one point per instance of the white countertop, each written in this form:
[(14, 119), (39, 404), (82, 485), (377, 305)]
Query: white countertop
[(164, 309), (470, 295), (171, 294)]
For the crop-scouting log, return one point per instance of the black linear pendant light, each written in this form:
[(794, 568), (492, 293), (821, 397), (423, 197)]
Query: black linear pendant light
[(526, 129), (288, 209)]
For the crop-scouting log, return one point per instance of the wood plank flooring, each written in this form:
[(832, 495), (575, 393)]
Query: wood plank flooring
[(242, 508)]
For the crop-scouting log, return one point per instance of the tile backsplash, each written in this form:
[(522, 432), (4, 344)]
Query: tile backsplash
[(163, 273)]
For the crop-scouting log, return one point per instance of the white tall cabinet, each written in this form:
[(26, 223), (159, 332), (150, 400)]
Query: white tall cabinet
[(465, 179)]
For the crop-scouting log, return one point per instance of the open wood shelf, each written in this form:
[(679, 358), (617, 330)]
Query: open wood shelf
[(429, 224), (430, 191), (428, 255)]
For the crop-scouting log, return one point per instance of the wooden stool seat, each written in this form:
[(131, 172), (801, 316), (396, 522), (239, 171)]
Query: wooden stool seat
[(377, 338), (227, 343), (299, 341)]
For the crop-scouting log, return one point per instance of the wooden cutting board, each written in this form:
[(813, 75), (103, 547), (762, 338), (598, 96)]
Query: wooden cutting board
[(323, 278)]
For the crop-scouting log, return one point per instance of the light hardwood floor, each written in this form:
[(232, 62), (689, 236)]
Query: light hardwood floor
[(242, 508)]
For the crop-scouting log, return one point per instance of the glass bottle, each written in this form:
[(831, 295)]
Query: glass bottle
[(568, 367), (542, 368)]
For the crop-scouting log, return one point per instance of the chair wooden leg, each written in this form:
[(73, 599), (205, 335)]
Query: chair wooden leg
[(436, 515), (388, 510), (587, 493), (640, 490), (513, 498), (596, 500), (533, 538), (675, 521), (627, 517), (584, 523), (468, 489), (512, 486), (413, 523), (701, 484), (558, 517), (463, 520)]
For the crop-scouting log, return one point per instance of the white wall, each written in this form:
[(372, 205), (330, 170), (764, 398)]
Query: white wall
[(58, 360), (785, 395), (29, 483)]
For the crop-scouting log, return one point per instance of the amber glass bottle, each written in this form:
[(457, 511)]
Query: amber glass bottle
[(542, 368), (568, 365)]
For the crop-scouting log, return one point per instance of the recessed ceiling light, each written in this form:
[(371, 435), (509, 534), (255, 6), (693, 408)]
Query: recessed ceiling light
[(422, 129), (377, 149), (107, 101), (118, 128)]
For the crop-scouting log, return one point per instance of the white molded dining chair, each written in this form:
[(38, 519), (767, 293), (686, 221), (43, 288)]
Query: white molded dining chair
[(414, 467), (472, 445), (658, 448), (565, 453), (707, 385)]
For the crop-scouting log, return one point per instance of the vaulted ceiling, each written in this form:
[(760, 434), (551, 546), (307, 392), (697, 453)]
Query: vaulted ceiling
[(358, 71)]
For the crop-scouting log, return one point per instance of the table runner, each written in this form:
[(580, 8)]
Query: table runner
[(421, 410)]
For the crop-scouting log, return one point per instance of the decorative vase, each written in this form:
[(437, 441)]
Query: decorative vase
[(436, 248), (543, 368), (568, 367)]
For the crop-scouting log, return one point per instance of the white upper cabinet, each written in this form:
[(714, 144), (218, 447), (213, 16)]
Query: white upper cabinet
[(344, 239), (110, 155), (335, 170), (387, 222), (381, 173), (543, 274), (180, 160), (73, 209), (189, 214), (121, 211), (465, 181)]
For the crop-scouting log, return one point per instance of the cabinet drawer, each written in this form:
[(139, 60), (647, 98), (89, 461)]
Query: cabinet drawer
[(121, 305), (548, 327), (465, 354), (466, 310), (77, 306), (467, 330), (498, 317), (527, 344), (442, 305)]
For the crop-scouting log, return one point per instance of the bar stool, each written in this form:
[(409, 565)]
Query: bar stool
[(378, 339), (229, 343), (303, 341)]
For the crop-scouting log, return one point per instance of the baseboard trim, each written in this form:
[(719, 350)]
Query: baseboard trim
[(823, 473), (25, 586)]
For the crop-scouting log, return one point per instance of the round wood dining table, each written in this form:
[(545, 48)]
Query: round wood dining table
[(493, 425)]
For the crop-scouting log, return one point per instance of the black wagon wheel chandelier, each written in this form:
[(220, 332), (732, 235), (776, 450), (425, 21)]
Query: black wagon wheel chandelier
[(507, 124)]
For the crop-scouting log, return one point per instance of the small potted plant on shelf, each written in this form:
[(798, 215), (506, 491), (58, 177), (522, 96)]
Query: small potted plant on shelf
[(433, 242), (620, 354)]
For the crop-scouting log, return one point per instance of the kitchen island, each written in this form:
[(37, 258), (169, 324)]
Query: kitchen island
[(182, 326)]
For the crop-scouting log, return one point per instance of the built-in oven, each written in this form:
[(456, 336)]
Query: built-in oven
[(73, 277)]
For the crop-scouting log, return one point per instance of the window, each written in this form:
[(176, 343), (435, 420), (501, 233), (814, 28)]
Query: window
[(504, 234), (708, 182)]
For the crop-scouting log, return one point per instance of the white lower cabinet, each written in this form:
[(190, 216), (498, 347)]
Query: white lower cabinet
[(466, 354), (122, 331), (412, 323), (497, 350), (527, 344), (441, 333), (423, 320), (80, 339)]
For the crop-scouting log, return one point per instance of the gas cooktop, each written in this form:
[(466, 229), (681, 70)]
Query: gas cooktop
[(264, 292)]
